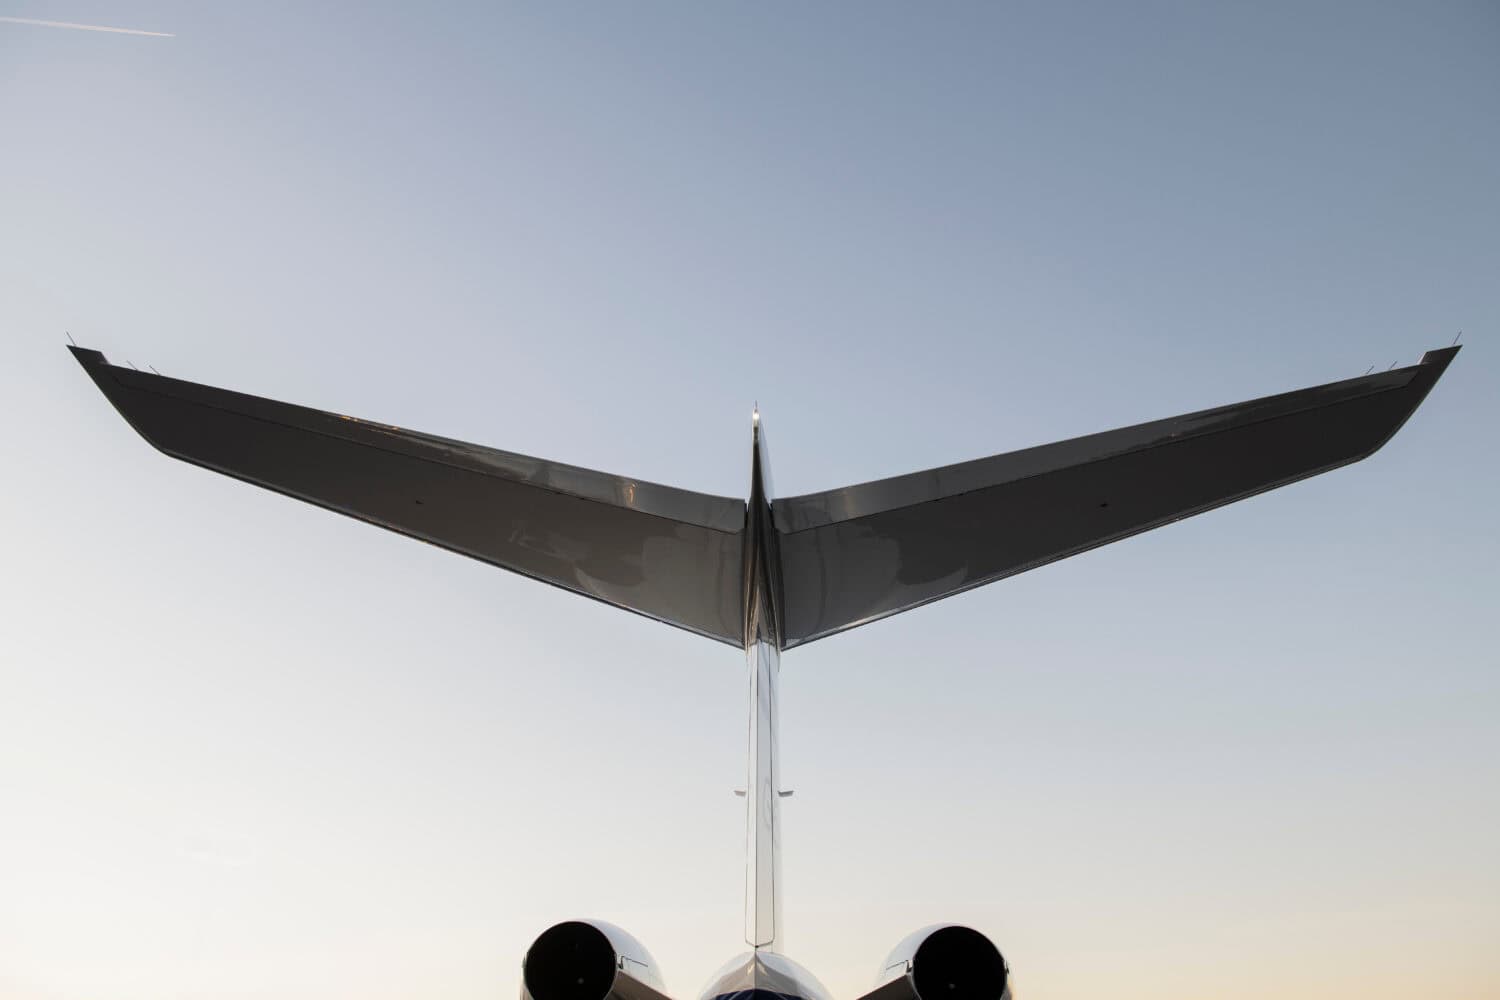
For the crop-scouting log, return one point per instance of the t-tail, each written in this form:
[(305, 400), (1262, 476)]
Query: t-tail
[(769, 574)]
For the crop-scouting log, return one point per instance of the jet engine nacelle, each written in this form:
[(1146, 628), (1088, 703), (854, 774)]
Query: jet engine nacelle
[(589, 960), (944, 962)]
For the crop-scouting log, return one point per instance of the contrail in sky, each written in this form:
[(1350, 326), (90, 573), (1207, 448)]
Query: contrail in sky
[(86, 27)]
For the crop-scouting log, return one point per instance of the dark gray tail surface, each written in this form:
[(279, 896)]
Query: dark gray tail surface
[(838, 559)]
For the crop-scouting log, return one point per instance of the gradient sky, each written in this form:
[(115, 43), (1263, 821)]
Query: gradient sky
[(249, 749)]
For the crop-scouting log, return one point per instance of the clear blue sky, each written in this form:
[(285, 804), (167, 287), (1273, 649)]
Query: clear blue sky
[(252, 750)]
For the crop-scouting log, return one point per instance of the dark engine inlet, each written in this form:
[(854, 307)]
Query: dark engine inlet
[(570, 961), (956, 963)]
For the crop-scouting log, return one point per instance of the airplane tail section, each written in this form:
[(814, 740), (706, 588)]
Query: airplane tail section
[(779, 571), (857, 554)]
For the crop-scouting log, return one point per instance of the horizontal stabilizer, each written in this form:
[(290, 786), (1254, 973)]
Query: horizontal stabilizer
[(670, 554), (853, 555), (826, 561)]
